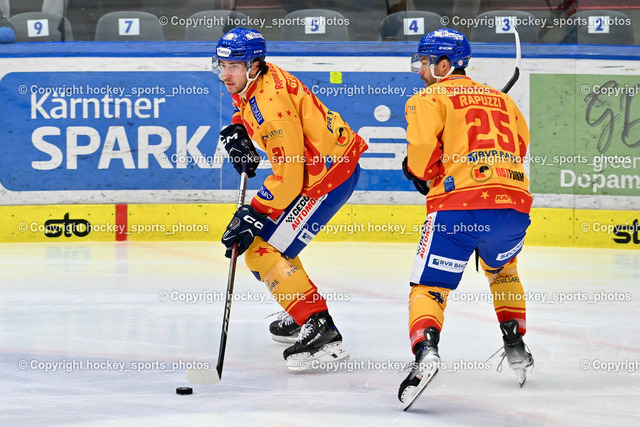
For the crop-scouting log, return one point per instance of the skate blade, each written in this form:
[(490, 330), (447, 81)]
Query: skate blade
[(285, 340), (329, 354), (408, 400), (203, 376), (521, 375)]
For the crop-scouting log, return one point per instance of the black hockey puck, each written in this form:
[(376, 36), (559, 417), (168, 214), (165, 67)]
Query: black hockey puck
[(184, 390)]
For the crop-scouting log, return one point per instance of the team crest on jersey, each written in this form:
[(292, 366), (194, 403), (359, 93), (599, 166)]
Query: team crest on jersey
[(481, 173)]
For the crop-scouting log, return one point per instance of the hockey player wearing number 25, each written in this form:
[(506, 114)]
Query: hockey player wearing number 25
[(314, 156), (466, 141)]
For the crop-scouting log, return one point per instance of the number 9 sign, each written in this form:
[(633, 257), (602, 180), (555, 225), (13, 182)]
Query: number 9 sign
[(37, 28)]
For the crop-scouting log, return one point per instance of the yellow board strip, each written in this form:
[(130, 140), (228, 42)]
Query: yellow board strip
[(363, 223), (57, 223)]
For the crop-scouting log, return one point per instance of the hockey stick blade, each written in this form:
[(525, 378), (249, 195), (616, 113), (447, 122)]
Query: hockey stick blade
[(203, 376)]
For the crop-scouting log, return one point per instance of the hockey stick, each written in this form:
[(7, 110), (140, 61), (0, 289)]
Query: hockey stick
[(212, 376), (514, 78), (516, 72)]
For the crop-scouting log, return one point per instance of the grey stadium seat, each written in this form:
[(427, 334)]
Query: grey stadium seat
[(589, 28), (41, 27), (309, 26), (129, 26), (215, 24), (409, 26), (490, 33), (55, 6), (5, 8)]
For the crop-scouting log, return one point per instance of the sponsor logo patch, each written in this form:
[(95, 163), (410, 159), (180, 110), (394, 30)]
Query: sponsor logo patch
[(306, 237), (447, 264), (511, 253), (302, 210), (223, 52), (481, 173), (264, 193), (256, 111), (503, 198)]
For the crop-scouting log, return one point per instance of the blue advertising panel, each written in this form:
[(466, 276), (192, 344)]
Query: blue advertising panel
[(152, 130)]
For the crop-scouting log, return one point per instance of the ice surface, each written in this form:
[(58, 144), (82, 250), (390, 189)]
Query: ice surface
[(85, 308)]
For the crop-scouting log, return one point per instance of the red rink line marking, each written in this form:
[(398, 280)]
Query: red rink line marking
[(121, 223)]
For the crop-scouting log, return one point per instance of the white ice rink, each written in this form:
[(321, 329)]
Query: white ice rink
[(112, 318)]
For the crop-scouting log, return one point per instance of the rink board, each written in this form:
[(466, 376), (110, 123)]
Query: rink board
[(109, 141), (365, 223)]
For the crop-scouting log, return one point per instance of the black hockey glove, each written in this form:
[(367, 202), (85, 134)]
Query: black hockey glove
[(243, 228), (240, 148), (422, 186)]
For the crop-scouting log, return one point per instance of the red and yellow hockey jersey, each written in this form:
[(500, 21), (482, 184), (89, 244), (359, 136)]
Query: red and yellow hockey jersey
[(311, 148), (471, 140)]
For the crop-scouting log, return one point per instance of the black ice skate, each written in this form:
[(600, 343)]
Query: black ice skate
[(318, 344), (423, 370), (515, 350), (285, 329)]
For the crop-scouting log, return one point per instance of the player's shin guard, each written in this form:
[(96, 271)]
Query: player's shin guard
[(508, 293), (286, 280), (426, 309)]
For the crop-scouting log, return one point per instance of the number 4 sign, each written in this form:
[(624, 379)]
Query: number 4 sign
[(413, 26), (129, 26), (37, 28)]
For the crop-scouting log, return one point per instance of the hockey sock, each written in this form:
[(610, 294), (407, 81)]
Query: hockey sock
[(426, 308), (286, 280), (508, 293)]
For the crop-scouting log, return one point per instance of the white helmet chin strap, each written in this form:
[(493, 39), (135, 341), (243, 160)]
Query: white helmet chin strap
[(249, 81), (432, 66)]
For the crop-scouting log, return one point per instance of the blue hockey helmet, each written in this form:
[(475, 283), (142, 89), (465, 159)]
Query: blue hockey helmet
[(446, 42), (240, 44)]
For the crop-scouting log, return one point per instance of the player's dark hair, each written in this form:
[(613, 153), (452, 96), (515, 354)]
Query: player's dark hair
[(459, 71), (263, 68)]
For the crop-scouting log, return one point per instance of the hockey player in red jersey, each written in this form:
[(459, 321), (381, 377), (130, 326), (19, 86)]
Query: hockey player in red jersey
[(314, 157), (466, 147)]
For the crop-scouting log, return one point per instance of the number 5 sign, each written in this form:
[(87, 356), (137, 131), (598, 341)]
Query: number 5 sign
[(314, 25)]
